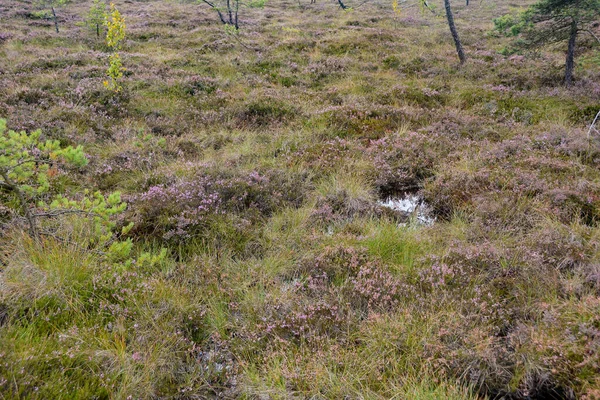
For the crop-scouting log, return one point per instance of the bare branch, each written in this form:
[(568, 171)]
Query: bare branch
[(342, 5), (593, 125), (244, 45), (427, 6), (592, 33), (58, 212), (71, 243), (217, 9)]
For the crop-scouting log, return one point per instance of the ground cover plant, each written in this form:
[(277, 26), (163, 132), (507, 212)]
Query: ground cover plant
[(238, 213)]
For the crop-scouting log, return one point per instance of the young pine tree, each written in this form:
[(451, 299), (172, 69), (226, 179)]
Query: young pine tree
[(554, 21), (96, 16), (26, 165), (53, 5)]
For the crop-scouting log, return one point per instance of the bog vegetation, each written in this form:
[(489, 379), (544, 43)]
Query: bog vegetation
[(300, 199)]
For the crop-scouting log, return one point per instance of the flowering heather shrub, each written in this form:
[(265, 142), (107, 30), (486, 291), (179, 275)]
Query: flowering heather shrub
[(4, 36), (514, 169), (423, 97), (544, 359), (561, 247), (463, 128), (370, 122), (414, 66), (324, 214), (197, 85), (31, 97), (375, 289), (570, 144), (265, 111), (178, 208), (108, 104), (128, 161), (465, 261), (148, 152), (182, 208), (525, 77), (311, 323), (324, 157), (493, 341), (440, 275), (347, 273), (340, 206), (492, 284), (581, 203), (403, 161), (328, 67), (57, 60), (333, 262), (505, 298), (162, 125)]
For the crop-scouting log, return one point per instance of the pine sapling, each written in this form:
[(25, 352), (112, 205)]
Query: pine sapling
[(96, 16), (26, 165)]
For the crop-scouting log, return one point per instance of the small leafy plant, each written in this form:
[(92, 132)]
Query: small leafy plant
[(115, 34), (114, 73), (115, 25), (257, 3)]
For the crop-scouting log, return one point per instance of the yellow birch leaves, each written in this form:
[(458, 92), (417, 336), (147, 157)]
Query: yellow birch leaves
[(115, 34)]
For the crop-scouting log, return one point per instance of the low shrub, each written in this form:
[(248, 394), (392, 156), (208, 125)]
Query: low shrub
[(181, 209)]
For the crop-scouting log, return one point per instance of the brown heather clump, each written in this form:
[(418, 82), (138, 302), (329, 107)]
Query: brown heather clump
[(261, 168)]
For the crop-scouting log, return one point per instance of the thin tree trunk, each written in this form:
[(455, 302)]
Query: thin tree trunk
[(237, 10), (229, 12), (55, 20), (427, 6), (211, 5), (450, 17), (98, 30), (570, 63), (221, 17)]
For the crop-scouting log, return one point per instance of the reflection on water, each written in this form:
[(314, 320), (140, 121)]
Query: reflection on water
[(411, 205)]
